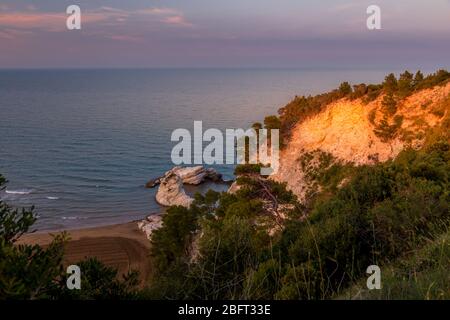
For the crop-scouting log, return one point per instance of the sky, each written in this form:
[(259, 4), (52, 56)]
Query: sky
[(227, 34)]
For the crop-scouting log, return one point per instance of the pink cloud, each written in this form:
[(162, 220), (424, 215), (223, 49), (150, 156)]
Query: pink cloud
[(177, 20), (157, 11), (31, 20), (44, 21), (56, 21), (166, 15)]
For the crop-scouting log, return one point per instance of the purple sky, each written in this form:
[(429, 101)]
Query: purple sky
[(233, 33)]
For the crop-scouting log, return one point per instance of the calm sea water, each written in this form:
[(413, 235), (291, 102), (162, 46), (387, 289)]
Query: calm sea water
[(81, 144)]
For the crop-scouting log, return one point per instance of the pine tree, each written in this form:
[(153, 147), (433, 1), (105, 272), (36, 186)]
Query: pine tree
[(389, 104), (390, 84), (345, 89), (418, 78), (405, 84)]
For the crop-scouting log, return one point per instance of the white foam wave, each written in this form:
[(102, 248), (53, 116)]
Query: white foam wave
[(19, 192), (73, 218), (52, 198)]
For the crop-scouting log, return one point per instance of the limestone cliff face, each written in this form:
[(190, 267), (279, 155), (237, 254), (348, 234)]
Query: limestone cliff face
[(346, 130)]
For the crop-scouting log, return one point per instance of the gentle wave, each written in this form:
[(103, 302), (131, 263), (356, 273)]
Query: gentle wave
[(74, 218), (20, 192), (52, 198)]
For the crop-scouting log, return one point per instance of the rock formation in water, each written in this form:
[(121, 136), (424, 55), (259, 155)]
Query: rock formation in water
[(197, 175), (171, 192), (190, 175)]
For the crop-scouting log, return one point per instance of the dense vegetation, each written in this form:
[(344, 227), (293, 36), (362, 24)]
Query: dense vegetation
[(387, 214), (260, 243)]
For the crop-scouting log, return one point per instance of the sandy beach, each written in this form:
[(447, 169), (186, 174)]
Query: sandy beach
[(122, 246)]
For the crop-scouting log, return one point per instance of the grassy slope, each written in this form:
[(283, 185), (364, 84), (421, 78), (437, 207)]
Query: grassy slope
[(421, 274)]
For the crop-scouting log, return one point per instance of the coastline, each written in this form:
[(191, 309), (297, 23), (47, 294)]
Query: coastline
[(122, 246)]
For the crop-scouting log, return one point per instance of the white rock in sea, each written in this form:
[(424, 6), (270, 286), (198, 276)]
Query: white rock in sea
[(196, 175), (150, 224), (171, 192), (190, 175)]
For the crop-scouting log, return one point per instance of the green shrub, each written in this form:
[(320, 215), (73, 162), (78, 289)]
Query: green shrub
[(345, 89), (389, 104), (170, 243), (100, 282), (242, 169), (405, 84), (390, 84), (272, 122)]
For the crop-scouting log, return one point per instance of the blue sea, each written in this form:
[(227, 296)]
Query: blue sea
[(80, 145)]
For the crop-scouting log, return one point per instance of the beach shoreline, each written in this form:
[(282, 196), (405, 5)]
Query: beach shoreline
[(122, 246)]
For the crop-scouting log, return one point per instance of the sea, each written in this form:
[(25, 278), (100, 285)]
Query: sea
[(80, 144)]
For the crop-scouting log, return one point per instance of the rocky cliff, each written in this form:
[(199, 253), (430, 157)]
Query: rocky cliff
[(346, 132)]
